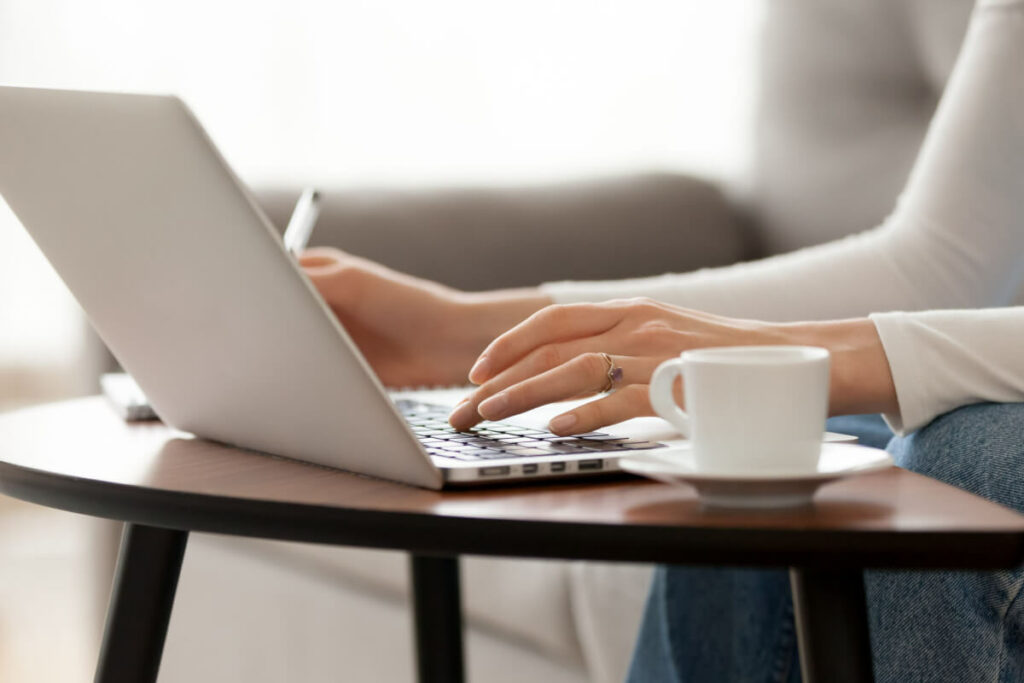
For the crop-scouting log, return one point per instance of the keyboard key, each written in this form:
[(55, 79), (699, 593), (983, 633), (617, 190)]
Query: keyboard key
[(579, 443), (486, 453), (519, 450), (639, 445), (593, 436), (560, 448), (603, 446), (525, 431), (485, 442), (464, 457), (459, 448)]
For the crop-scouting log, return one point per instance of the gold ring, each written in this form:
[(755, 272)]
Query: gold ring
[(612, 375)]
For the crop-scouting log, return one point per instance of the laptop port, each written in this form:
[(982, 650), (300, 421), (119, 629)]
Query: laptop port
[(530, 469), (495, 471), (558, 467), (590, 465)]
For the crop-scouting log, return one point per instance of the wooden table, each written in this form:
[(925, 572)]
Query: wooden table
[(80, 456)]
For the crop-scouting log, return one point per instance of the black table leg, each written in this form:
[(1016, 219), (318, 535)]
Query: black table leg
[(140, 604), (832, 625), (437, 613)]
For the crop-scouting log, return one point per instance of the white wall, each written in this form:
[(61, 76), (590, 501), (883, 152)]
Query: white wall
[(374, 92)]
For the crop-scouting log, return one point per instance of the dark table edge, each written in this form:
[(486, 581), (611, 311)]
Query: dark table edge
[(448, 535)]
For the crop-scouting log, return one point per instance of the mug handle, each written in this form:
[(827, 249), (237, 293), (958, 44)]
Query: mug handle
[(662, 399)]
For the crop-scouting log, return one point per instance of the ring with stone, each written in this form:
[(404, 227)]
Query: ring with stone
[(612, 375)]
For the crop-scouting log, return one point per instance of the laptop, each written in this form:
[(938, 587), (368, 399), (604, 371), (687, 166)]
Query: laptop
[(190, 286)]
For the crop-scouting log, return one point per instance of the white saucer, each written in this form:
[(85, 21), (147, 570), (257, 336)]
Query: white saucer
[(760, 490)]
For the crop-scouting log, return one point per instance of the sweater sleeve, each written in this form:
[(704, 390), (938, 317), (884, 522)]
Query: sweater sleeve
[(942, 360), (954, 241)]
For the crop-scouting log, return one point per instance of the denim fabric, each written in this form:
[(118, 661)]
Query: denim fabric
[(736, 625), (870, 430)]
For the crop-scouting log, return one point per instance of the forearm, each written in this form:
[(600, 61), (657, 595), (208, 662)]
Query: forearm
[(486, 315), (953, 241), (913, 367)]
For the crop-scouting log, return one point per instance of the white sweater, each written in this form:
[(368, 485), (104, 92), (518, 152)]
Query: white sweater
[(954, 241)]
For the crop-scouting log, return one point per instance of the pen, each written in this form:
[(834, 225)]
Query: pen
[(304, 216)]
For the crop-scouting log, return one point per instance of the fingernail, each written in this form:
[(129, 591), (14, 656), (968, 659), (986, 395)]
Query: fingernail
[(494, 408), (462, 416), (562, 423), (480, 370)]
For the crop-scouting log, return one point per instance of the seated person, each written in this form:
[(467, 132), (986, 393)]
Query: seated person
[(915, 313)]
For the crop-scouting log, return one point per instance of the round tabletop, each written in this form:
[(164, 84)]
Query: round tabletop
[(80, 456)]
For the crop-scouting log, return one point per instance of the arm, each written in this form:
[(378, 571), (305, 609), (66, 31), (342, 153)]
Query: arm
[(955, 239)]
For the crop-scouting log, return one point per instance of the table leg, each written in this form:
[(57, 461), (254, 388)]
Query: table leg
[(140, 604), (832, 625), (437, 613)]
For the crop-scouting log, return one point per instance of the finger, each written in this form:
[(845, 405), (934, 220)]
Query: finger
[(321, 257), (547, 326), (535, 363), (338, 276), (584, 374), (630, 401)]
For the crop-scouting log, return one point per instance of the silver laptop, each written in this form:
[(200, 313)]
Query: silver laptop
[(190, 286)]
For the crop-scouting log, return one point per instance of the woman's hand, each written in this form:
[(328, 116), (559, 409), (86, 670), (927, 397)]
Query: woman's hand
[(556, 355), (413, 331)]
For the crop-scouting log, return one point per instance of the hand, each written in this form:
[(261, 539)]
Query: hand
[(555, 355), (412, 331)]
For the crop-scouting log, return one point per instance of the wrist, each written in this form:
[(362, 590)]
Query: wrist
[(860, 380), (482, 316)]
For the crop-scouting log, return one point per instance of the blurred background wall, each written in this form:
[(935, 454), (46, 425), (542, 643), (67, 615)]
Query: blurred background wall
[(393, 92)]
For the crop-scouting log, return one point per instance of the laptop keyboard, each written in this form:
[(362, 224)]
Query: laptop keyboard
[(499, 440)]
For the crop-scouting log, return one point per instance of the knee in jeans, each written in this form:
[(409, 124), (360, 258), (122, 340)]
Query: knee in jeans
[(979, 448)]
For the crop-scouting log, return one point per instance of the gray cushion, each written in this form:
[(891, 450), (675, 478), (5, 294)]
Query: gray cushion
[(505, 237), (525, 600)]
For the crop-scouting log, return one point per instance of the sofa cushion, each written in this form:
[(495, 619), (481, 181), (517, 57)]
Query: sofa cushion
[(487, 238), (525, 600), (607, 604), (239, 618)]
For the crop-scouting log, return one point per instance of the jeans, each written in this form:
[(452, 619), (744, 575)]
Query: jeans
[(723, 625)]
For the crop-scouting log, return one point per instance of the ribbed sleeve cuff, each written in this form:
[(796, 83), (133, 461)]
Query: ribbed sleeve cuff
[(904, 364)]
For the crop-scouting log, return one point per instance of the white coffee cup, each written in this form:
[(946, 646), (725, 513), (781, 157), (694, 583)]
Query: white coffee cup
[(749, 409)]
